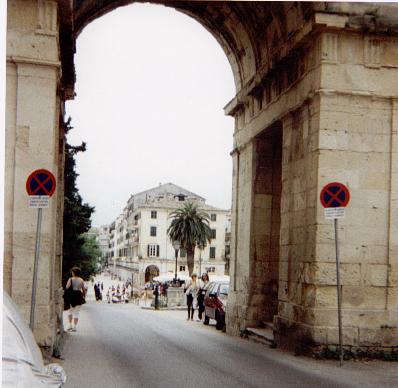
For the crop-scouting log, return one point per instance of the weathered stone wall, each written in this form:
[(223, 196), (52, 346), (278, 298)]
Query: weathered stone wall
[(339, 118), (32, 142), (266, 226), (357, 143), (354, 139), (298, 222), (241, 229), (293, 159)]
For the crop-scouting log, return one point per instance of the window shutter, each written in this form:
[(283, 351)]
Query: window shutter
[(157, 250), (148, 251)]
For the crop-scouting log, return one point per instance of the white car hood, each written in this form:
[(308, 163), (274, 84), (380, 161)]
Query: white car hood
[(18, 340)]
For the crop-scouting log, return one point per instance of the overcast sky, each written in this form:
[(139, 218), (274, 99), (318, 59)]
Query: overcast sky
[(151, 87)]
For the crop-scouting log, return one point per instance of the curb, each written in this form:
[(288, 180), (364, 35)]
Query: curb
[(165, 308)]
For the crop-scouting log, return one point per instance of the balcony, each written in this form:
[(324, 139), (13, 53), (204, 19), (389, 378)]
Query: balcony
[(127, 264)]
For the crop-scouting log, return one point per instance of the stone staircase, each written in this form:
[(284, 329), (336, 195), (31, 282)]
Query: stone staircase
[(263, 335)]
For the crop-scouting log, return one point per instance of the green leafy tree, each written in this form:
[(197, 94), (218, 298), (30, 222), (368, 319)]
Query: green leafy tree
[(191, 227), (77, 216), (90, 256)]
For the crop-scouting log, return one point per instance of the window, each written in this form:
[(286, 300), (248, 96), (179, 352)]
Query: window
[(153, 250), (153, 231), (154, 214), (211, 269), (213, 234), (212, 252), (183, 252), (213, 217), (181, 197), (182, 268)]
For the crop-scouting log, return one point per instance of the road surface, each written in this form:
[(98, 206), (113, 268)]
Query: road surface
[(124, 346)]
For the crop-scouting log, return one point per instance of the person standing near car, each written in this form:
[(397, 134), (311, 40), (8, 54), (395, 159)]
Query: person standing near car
[(192, 288), (204, 285), (75, 295)]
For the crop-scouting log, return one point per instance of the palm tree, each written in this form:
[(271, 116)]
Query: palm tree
[(190, 227)]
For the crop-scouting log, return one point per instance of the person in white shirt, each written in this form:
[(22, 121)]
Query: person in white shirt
[(191, 291)]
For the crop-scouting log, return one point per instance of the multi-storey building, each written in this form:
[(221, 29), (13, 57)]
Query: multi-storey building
[(101, 236), (142, 246), (103, 241), (111, 249)]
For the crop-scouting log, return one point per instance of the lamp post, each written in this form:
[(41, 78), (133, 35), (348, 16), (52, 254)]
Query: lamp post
[(176, 245)]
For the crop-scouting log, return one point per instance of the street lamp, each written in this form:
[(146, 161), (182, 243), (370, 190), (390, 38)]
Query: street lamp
[(176, 245)]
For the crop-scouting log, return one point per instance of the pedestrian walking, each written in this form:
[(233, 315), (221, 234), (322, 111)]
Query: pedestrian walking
[(191, 292), (74, 297), (203, 286), (97, 292)]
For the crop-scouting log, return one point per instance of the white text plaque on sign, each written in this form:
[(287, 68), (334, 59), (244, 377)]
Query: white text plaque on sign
[(334, 212), (39, 201)]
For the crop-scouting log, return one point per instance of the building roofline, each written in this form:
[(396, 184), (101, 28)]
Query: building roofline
[(165, 184)]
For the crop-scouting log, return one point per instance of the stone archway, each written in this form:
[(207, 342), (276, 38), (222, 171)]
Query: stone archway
[(151, 271), (320, 72)]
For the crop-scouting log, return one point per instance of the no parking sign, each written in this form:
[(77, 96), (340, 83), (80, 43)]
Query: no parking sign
[(40, 186), (334, 198)]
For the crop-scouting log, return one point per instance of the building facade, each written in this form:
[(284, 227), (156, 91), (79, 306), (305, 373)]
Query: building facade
[(143, 249), (101, 236)]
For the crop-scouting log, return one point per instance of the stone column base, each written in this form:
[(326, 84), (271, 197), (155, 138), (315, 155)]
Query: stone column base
[(322, 341)]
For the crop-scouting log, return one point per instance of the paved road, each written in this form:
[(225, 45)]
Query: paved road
[(124, 346)]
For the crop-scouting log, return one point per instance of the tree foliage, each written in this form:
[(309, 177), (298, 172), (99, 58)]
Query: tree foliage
[(78, 250), (191, 227)]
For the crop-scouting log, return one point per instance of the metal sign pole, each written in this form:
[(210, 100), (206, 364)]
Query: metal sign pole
[(35, 269), (338, 290)]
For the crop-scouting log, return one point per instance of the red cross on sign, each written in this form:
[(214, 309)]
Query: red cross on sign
[(41, 183), (334, 195)]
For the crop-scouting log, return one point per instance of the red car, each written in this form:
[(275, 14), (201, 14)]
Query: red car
[(216, 303)]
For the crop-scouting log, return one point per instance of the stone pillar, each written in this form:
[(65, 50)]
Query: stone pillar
[(32, 142), (298, 219), (266, 225), (392, 273), (358, 146), (349, 134), (238, 315)]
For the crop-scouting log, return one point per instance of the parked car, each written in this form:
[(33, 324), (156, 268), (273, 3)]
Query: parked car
[(23, 364), (216, 303)]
